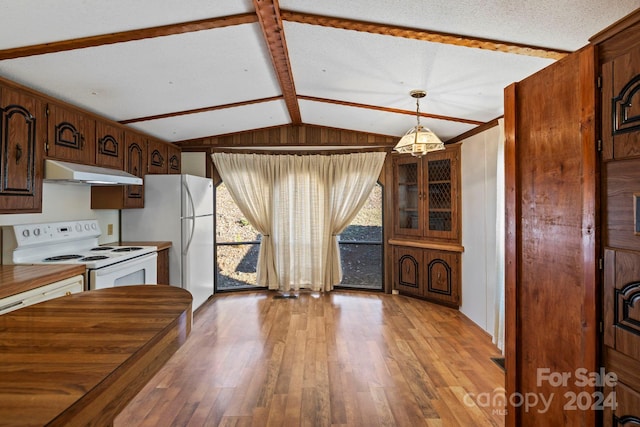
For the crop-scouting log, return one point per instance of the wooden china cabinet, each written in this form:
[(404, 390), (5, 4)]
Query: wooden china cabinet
[(22, 134), (426, 226)]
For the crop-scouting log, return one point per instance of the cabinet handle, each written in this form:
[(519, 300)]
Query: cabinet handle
[(18, 153)]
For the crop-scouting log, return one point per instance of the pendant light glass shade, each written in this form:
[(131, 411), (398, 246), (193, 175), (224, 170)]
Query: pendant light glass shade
[(419, 140)]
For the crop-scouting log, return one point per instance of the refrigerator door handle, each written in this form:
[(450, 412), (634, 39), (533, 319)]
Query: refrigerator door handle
[(193, 220)]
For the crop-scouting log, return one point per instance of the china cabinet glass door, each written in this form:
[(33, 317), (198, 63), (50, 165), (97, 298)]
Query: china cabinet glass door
[(409, 196)]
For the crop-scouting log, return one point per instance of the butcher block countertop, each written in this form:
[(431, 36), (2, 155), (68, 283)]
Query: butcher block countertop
[(21, 278), (79, 360)]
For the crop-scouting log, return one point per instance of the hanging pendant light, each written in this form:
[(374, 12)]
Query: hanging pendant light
[(419, 140)]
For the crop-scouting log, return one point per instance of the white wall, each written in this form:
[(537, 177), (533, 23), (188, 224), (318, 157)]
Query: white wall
[(194, 163), (61, 202), (479, 156)]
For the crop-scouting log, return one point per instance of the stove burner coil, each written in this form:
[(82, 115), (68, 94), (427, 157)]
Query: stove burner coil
[(94, 258), (127, 249), (102, 248), (63, 257)]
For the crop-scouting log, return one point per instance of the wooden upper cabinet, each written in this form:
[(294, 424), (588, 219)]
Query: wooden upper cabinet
[(109, 145), (427, 196), (174, 159), (621, 106), (71, 135), (135, 163), (157, 157), (22, 132)]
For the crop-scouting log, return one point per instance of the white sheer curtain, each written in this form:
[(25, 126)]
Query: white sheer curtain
[(310, 200), (249, 183), (498, 333)]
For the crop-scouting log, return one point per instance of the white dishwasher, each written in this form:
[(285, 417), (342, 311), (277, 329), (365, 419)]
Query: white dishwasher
[(68, 286)]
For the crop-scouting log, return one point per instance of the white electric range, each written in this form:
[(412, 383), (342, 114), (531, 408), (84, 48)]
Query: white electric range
[(76, 242)]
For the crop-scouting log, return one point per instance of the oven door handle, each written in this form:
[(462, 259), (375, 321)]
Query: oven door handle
[(192, 217)]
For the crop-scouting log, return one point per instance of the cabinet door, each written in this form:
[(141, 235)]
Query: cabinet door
[(620, 106), (71, 135), (135, 163), (442, 272), (174, 163), (109, 146), (407, 269), (442, 195), (157, 153), (408, 196), (22, 130)]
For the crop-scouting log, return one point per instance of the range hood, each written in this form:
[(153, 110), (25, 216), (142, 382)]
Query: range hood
[(57, 171)]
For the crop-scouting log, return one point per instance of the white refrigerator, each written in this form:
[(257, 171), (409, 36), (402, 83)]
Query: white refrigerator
[(179, 209)]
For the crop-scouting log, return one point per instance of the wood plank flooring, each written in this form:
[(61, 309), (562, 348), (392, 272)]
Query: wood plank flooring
[(344, 358)]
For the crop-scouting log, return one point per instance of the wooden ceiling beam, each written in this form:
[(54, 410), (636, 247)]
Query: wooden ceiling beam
[(127, 36), (424, 35), (200, 110), (268, 12), (390, 110)]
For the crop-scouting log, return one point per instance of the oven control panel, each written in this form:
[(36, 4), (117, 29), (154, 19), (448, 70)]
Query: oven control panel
[(55, 232)]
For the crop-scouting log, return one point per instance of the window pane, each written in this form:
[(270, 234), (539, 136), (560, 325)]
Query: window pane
[(367, 225), (236, 266), (231, 225), (361, 266)]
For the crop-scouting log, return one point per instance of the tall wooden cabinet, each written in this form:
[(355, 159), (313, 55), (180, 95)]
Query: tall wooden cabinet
[(22, 135), (426, 226), (619, 61), (551, 320)]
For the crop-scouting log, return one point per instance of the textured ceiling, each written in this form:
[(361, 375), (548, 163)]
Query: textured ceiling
[(187, 69)]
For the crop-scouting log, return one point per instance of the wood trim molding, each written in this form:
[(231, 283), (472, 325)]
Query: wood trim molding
[(127, 36), (424, 35), (483, 127), (200, 110), (512, 223), (389, 110), (617, 27), (427, 245)]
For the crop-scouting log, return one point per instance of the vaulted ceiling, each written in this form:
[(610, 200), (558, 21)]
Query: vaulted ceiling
[(188, 69)]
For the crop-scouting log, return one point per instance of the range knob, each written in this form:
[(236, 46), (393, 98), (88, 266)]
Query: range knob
[(78, 227), (25, 233), (86, 227), (94, 226), (36, 232)]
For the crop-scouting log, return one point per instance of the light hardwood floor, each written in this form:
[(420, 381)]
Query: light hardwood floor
[(344, 358)]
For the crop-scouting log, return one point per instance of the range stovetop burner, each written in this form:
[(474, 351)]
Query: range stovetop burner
[(102, 248), (94, 258), (62, 257), (127, 249)]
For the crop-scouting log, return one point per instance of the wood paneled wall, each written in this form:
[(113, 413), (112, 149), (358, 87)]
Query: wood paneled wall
[(293, 135)]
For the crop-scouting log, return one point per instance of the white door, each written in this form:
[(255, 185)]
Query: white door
[(197, 196), (197, 258)]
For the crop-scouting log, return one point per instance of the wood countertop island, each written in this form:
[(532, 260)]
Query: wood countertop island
[(20, 278), (80, 359)]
